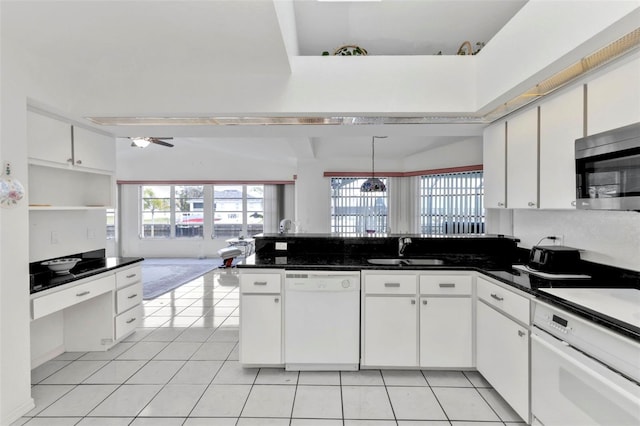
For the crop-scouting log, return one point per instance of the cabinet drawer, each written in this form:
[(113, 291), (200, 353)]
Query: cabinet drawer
[(128, 276), (127, 321), (260, 283), (45, 305), (507, 301), (390, 284), (445, 284), (128, 297)]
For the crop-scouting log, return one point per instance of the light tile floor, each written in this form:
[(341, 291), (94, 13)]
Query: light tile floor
[(181, 368)]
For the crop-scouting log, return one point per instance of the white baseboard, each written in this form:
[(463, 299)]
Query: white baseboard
[(47, 356), (18, 412)]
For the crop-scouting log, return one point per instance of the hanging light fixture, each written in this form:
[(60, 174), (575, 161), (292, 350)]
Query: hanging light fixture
[(373, 184)]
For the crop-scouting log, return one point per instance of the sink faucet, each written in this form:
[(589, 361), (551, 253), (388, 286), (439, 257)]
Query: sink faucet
[(403, 242)]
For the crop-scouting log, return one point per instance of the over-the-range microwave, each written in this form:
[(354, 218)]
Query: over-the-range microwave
[(608, 170)]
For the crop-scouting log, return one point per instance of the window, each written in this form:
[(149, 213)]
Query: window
[(111, 224), (188, 211), (452, 203), (354, 212), (156, 211), (238, 210)]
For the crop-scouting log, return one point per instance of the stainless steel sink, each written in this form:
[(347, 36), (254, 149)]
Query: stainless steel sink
[(396, 262), (408, 262), (424, 261)]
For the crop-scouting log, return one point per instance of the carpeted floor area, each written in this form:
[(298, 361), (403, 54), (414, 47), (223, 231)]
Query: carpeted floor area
[(161, 275)]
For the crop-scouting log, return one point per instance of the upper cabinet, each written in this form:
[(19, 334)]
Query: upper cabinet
[(56, 143), (561, 123), (93, 150), (494, 159), (613, 99), (49, 139), (522, 160), (69, 167)]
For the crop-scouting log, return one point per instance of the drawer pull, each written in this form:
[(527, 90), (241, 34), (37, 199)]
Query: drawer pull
[(84, 293), (498, 298), (424, 302), (413, 301), (132, 296), (131, 276), (447, 285), (131, 320), (392, 284), (259, 283), (521, 333), (276, 300)]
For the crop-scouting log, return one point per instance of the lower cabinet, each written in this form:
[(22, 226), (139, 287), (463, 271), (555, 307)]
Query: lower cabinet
[(502, 352), (445, 332), (398, 333), (91, 314), (261, 318), (390, 331)]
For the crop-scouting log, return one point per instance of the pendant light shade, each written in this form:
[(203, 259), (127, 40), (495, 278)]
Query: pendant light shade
[(373, 184)]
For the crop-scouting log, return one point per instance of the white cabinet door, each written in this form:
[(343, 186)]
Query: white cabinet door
[(561, 123), (522, 160), (93, 150), (390, 331), (494, 165), (48, 139), (614, 98), (445, 332), (260, 329), (502, 357)]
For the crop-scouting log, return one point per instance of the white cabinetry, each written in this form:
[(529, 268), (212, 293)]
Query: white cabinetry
[(54, 142), (494, 165), (390, 314), (613, 99), (49, 140), (561, 123), (502, 335), (446, 334), (261, 317), (91, 314), (93, 150), (69, 167), (396, 333), (522, 160), (129, 294)]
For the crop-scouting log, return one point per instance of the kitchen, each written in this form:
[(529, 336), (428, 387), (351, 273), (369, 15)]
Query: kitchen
[(612, 237)]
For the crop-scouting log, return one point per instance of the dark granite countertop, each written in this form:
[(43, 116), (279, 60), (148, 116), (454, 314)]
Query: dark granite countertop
[(91, 264)]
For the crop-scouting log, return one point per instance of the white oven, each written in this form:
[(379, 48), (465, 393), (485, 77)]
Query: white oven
[(582, 373)]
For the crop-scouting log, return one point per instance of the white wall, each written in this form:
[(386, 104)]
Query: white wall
[(607, 237), (77, 231), (15, 365)]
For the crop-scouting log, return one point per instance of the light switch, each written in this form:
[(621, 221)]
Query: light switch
[(55, 237), (91, 234)]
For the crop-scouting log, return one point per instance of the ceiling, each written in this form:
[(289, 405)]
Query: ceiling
[(399, 27), (175, 41)]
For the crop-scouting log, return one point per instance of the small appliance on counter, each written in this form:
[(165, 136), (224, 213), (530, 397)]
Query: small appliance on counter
[(554, 259), (285, 226)]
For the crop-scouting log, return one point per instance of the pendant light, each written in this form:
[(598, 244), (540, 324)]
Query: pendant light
[(373, 184)]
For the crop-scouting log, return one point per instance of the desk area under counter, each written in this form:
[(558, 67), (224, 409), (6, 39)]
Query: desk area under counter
[(91, 309)]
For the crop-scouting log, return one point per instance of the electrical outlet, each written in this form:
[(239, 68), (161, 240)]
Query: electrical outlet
[(55, 237), (91, 234), (281, 246)]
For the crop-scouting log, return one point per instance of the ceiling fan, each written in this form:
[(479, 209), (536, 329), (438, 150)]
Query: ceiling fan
[(140, 142)]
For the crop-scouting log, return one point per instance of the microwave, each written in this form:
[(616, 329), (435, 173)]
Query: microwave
[(608, 170)]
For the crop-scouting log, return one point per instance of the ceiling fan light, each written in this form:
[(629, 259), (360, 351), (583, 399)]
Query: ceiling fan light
[(373, 185), (140, 142)]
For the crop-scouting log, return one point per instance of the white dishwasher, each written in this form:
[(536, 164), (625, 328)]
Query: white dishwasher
[(322, 320)]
